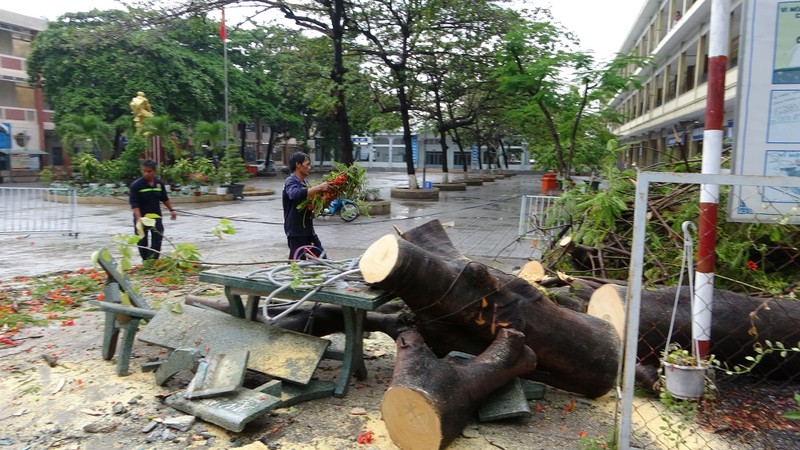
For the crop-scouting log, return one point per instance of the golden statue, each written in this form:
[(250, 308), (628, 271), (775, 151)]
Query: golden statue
[(140, 108)]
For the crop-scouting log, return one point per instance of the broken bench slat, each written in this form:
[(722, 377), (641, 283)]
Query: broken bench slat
[(220, 373), (115, 273), (283, 354), (231, 412)]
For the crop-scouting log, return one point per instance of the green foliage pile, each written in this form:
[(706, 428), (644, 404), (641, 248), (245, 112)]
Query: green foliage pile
[(751, 258)]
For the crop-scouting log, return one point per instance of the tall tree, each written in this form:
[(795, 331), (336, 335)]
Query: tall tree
[(327, 17), (454, 65), (392, 29), (535, 59)]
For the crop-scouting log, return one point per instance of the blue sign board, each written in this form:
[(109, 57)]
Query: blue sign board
[(5, 135), (414, 149), (475, 154)]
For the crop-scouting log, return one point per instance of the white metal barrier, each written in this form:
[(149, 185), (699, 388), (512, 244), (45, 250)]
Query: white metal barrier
[(534, 223), (38, 210)]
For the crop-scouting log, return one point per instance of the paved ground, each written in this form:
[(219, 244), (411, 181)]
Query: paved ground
[(482, 223)]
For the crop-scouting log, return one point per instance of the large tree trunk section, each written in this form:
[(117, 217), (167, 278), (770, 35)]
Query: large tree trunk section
[(430, 400), (738, 323), (462, 305)]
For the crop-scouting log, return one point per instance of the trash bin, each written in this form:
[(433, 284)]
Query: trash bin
[(548, 182), (427, 185)]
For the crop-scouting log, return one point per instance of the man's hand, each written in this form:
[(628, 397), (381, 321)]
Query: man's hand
[(173, 215), (322, 187)]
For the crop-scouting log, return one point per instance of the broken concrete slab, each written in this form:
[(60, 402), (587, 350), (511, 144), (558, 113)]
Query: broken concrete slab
[(180, 423), (179, 360), (271, 387), (232, 411), (292, 394), (217, 374), (507, 402), (533, 389), (279, 353)]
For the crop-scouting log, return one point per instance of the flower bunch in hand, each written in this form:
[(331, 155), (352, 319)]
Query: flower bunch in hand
[(345, 181)]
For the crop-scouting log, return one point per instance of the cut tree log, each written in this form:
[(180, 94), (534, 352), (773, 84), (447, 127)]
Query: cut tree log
[(430, 400), (739, 322), (461, 305), (532, 272)]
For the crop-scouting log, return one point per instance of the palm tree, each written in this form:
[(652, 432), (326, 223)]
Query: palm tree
[(164, 128), (88, 133), (211, 132)]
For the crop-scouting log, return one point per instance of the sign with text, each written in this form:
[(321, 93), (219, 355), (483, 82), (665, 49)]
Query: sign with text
[(768, 117)]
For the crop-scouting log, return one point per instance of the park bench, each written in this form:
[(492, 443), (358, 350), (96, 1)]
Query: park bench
[(277, 352)]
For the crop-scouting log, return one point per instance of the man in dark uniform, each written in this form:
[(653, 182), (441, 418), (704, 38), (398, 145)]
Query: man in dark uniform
[(146, 195), (298, 224)]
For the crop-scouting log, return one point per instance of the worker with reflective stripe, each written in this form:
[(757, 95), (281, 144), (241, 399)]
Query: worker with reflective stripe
[(146, 195)]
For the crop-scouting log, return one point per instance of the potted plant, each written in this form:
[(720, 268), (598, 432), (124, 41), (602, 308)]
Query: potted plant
[(232, 171), (684, 373)]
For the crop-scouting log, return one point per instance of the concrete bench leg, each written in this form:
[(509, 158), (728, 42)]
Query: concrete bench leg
[(110, 335), (127, 346)]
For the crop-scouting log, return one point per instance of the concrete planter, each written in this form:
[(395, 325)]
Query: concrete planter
[(379, 207), (451, 186), (415, 194)]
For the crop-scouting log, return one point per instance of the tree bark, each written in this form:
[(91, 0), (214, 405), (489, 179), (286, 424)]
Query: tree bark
[(430, 400), (462, 305)]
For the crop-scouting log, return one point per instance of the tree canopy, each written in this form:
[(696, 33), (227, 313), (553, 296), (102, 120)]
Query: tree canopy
[(478, 71)]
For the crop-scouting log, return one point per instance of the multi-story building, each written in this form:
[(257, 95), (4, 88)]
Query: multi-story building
[(27, 140), (663, 121)]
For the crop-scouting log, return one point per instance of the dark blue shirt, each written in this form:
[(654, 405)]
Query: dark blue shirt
[(296, 222), (147, 198)]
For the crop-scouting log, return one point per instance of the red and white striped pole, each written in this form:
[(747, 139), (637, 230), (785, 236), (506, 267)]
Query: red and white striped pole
[(709, 193)]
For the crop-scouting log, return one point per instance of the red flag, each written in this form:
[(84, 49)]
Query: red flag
[(222, 26)]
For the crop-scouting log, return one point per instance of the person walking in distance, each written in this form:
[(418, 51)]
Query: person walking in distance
[(298, 224), (146, 195)]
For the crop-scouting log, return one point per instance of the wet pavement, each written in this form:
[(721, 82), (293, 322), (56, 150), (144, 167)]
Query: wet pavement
[(482, 222)]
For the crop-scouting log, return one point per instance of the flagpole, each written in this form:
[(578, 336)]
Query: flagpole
[(225, 70)]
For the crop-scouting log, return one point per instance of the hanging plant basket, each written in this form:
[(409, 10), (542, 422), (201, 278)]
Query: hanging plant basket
[(685, 382)]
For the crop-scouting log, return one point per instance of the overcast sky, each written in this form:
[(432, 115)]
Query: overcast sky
[(601, 26)]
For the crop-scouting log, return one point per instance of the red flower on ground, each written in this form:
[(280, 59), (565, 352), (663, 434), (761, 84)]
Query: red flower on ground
[(752, 265), (365, 438)]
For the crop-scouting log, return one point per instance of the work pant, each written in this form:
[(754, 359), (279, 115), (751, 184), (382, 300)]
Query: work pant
[(155, 235)]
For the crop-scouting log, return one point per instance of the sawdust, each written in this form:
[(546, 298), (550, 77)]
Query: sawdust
[(48, 407)]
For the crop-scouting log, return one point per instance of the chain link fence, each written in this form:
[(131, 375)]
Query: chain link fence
[(754, 377)]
